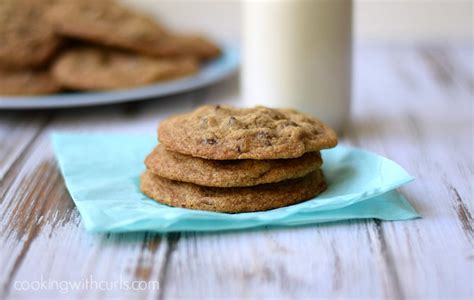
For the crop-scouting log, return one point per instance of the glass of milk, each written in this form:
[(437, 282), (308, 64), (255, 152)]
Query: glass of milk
[(297, 54)]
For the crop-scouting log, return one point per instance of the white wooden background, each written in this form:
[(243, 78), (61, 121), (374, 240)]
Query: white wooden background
[(412, 103)]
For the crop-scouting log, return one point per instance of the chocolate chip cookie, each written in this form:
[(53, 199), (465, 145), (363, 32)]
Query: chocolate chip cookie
[(104, 22), (107, 22), (27, 82), (228, 173), (232, 200), (95, 68), (26, 41), (225, 133)]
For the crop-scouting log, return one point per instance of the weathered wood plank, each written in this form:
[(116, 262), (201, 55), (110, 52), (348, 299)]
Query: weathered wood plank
[(44, 239), (426, 126), (334, 260), (17, 131), (41, 233)]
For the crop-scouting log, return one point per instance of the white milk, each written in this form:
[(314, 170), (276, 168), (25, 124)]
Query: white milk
[(298, 54)]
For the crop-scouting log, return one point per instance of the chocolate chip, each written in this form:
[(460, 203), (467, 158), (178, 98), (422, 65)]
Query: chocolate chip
[(263, 135), (232, 120), (238, 149), (218, 106), (293, 124), (265, 138), (209, 141)]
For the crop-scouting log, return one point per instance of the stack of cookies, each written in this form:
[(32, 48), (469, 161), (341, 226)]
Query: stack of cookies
[(51, 45), (226, 159)]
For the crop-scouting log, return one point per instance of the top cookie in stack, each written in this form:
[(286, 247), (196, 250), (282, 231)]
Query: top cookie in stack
[(50, 45), (226, 159)]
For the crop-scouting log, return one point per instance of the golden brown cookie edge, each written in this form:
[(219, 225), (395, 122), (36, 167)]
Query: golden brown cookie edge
[(232, 200), (180, 167)]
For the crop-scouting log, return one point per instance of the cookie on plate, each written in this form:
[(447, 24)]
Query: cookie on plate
[(107, 22), (228, 173), (232, 200), (104, 22), (224, 133), (27, 82), (185, 45), (26, 41), (94, 68)]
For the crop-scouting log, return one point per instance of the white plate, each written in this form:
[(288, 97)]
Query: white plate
[(210, 73)]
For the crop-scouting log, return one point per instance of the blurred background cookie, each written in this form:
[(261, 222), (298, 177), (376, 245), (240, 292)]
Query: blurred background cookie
[(105, 22), (96, 68), (185, 45), (110, 23), (26, 40), (124, 48), (27, 82)]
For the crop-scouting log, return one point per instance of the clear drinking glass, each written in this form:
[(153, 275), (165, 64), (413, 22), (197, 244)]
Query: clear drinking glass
[(298, 54)]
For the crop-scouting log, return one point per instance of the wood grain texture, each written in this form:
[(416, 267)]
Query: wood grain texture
[(413, 104)]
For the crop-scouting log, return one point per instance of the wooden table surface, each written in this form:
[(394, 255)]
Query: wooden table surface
[(412, 103)]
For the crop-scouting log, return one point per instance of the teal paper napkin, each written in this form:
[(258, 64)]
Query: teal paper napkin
[(102, 175)]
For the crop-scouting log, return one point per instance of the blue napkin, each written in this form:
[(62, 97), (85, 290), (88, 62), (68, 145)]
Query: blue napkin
[(102, 175)]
